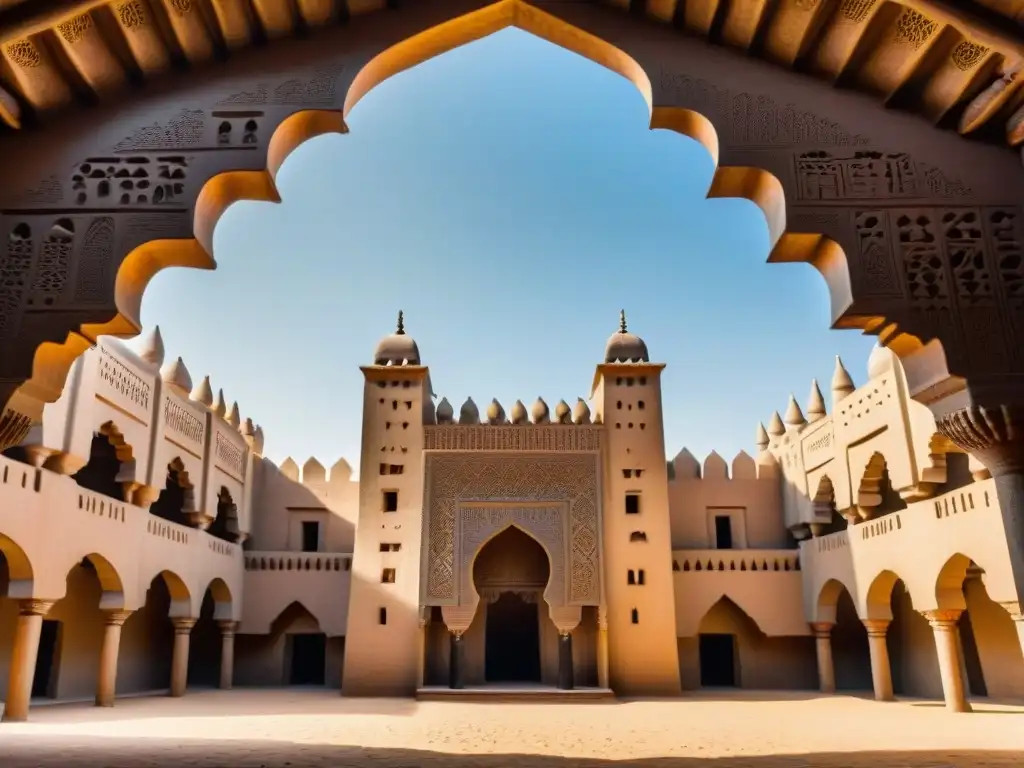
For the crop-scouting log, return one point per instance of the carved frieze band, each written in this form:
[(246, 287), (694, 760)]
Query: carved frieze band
[(523, 486), (512, 438)]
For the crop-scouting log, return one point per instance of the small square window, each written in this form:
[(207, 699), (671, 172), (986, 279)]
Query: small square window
[(310, 536), (632, 503), (390, 547), (390, 501), (387, 576), (383, 469), (395, 469)]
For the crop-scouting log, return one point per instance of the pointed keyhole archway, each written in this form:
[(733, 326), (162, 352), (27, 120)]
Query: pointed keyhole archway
[(510, 574)]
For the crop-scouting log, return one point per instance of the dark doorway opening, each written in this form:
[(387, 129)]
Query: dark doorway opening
[(512, 647), (718, 661), (48, 637), (309, 659), (723, 532)]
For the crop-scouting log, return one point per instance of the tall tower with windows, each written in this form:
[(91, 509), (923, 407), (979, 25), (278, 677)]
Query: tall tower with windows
[(639, 591), (381, 643)]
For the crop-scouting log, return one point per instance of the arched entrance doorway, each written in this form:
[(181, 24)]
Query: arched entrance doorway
[(510, 574)]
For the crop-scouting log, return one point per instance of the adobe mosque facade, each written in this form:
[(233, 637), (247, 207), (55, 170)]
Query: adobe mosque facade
[(148, 545)]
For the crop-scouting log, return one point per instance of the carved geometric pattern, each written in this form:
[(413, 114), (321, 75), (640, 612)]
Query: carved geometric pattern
[(130, 180), (856, 10), (131, 14), (746, 120), (94, 260), (922, 261), (13, 273), (54, 260), (869, 175), (454, 479), (182, 7), (477, 524), (914, 28), (179, 419), (74, 29), (183, 131), (49, 190), (318, 90), (511, 438), (231, 456), (1009, 256), (966, 55), (965, 246), (123, 380), (24, 53), (876, 253)]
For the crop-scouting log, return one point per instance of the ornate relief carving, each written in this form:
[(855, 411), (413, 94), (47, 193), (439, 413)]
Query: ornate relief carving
[(922, 261), (131, 14), (75, 29), (746, 120), (965, 245), (454, 479), (130, 181), (913, 28), (24, 54), (1004, 234), (511, 438), (54, 259), (232, 456), (181, 7), (14, 273), (94, 281), (320, 89), (477, 524), (966, 55), (873, 243), (869, 175), (183, 131), (181, 420), (856, 10), (48, 191), (123, 380)]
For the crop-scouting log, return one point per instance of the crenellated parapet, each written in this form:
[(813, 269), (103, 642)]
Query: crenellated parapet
[(878, 448), (163, 429), (539, 413)]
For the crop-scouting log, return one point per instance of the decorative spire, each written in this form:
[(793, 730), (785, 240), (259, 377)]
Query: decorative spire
[(400, 331), (794, 416), (761, 438), (842, 384), (220, 407), (815, 403), (775, 427), (203, 393), (622, 321), (233, 417), (176, 374), (150, 347)]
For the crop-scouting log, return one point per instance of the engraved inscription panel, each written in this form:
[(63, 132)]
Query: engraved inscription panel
[(485, 437), (453, 480)]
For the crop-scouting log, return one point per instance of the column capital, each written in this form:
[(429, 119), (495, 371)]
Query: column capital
[(35, 607), (822, 628), (116, 618), (183, 625), (876, 627), (994, 433), (227, 627), (944, 618), (563, 633)]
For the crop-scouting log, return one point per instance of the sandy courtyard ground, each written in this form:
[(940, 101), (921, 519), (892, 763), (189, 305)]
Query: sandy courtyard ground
[(318, 728)]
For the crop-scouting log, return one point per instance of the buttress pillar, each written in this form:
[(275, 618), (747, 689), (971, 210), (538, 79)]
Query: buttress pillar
[(602, 647), (823, 646), (947, 646), (881, 671), (106, 683), (227, 653), (179, 657), (23, 657)]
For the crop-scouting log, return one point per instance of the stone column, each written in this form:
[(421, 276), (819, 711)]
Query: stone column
[(881, 671), (948, 649), (602, 647), (227, 653), (823, 646), (565, 671), (179, 658), (455, 659), (421, 650), (106, 683), (23, 657)]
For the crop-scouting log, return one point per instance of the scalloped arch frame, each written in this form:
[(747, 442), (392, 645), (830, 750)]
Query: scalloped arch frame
[(53, 360)]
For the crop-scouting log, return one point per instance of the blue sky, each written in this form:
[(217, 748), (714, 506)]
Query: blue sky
[(509, 197)]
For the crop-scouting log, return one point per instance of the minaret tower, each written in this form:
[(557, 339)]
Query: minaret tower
[(639, 590), (383, 616)]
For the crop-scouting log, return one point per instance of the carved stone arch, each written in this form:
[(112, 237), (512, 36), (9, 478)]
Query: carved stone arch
[(877, 599), (19, 568), (223, 600), (922, 250), (827, 600)]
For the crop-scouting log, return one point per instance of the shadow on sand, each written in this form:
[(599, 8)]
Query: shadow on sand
[(70, 752)]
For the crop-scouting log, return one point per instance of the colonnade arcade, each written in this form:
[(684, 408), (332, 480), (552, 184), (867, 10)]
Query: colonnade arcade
[(516, 631), (89, 643), (959, 645)]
